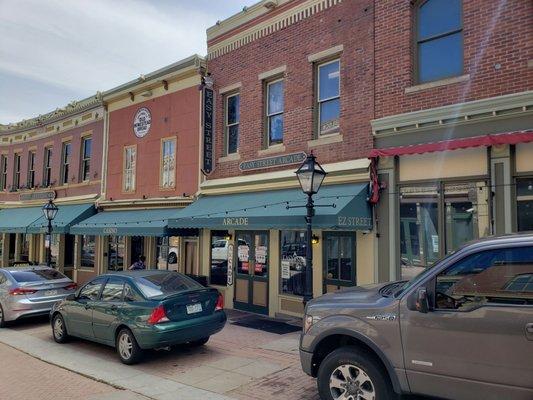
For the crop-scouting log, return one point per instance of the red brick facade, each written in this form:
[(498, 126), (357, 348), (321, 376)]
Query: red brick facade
[(349, 24), (498, 43)]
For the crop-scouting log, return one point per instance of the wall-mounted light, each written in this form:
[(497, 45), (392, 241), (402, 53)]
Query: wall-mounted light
[(315, 239)]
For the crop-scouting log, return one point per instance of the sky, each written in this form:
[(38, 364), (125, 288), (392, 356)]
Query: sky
[(56, 51)]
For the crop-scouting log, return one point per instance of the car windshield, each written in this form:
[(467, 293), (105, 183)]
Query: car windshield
[(164, 284), (37, 275)]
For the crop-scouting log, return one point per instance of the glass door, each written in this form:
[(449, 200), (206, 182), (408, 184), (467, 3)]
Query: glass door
[(251, 274), (339, 257)]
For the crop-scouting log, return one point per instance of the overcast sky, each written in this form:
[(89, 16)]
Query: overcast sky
[(56, 51)]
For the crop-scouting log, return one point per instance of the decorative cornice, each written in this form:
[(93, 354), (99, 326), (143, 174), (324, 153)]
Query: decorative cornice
[(278, 21)]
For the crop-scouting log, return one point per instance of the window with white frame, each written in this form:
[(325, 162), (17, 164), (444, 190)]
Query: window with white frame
[(65, 162), (328, 97), (168, 163), (16, 171), (3, 172), (86, 152), (274, 111), (130, 161), (31, 170), (47, 177), (232, 123)]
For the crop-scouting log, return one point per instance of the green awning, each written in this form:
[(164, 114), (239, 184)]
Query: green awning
[(67, 216), (268, 210), (32, 220), (145, 222)]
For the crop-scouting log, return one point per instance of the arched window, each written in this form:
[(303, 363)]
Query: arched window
[(439, 39)]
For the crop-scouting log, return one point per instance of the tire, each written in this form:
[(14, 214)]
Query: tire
[(3, 322), (59, 329), (363, 373), (128, 350), (199, 342)]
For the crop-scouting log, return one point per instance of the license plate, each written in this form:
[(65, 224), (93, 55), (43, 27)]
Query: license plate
[(50, 292), (194, 308)]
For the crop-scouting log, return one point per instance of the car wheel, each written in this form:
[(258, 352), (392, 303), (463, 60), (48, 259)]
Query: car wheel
[(352, 374), (127, 348), (199, 342), (59, 329), (172, 258), (3, 322)]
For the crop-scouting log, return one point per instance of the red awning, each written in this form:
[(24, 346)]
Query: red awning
[(455, 144)]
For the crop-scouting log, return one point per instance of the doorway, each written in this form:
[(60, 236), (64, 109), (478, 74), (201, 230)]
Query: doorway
[(251, 275), (339, 260), (137, 248), (191, 257)]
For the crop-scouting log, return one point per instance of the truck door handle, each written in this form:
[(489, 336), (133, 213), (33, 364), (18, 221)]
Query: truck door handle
[(529, 331)]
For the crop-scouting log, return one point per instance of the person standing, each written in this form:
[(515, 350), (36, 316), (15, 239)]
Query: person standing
[(139, 264)]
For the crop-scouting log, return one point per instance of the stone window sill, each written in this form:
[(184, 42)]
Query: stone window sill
[(321, 141), (230, 158), (434, 84), (277, 148)]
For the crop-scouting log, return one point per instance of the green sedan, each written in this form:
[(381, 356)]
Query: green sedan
[(139, 310)]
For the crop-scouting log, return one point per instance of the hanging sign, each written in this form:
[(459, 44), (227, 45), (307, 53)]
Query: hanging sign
[(142, 122), (230, 264), (272, 162), (208, 130)]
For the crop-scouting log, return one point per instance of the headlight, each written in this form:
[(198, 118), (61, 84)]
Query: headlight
[(309, 320)]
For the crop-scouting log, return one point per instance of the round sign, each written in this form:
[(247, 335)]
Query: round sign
[(142, 122)]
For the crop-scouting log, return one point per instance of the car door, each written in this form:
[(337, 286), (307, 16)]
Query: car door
[(107, 310), (79, 312), (477, 336)]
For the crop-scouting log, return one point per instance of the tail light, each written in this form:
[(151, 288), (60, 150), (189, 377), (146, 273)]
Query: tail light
[(72, 286), (21, 291), (220, 303), (158, 316)]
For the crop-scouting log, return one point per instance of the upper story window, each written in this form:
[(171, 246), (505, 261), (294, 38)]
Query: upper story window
[(168, 163), (47, 178), (439, 36), (65, 162), (130, 161), (86, 151), (16, 171), (274, 111), (3, 172), (328, 97), (31, 169), (232, 120)]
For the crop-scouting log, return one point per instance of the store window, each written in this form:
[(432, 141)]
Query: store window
[(168, 163), (432, 225), (328, 97), (88, 251), (130, 161), (65, 162), (340, 261), (116, 252), (293, 248), (274, 111), (168, 252), (86, 152), (47, 175), (232, 123), (439, 39), (219, 257), (524, 203), (16, 171), (54, 249), (3, 172), (31, 170)]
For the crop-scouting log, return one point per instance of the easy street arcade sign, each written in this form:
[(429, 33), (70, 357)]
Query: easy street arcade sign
[(208, 105)]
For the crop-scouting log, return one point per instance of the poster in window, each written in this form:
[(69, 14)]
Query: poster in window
[(243, 253), (285, 269), (261, 254)]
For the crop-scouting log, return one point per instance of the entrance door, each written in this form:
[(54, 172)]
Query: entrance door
[(339, 260), (137, 248), (191, 257), (251, 275)]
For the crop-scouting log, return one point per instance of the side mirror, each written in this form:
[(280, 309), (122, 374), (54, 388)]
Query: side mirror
[(422, 302)]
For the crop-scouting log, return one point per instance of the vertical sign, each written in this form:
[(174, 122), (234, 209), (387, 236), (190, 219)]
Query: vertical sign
[(230, 263), (208, 130)]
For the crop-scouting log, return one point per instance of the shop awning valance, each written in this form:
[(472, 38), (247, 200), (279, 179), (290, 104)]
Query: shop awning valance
[(145, 222), (456, 144), (268, 210), (31, 219)]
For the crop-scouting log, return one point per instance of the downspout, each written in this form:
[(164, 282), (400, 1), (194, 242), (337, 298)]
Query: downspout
[(105, 148)]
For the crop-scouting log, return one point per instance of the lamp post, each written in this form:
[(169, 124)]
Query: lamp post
[(310, 175), (50, 212)]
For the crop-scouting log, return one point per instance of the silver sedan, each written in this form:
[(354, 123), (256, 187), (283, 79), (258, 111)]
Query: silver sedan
[(31, 291)]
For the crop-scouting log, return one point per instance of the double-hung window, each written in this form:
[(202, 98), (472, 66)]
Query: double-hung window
[(3, 172), (168, 163), (274, 111), (31, 170), (130, 161), (86, 151), (439, 39), (328, 97), (47, 178), (16, 171), (65, 162), (232, 123)]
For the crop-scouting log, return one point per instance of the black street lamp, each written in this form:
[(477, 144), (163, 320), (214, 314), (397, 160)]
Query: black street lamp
[(50, 212), (310, 175)]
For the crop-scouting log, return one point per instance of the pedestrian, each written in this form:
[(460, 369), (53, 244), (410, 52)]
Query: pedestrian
[(139, 264)]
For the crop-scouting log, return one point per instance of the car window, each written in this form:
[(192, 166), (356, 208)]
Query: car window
[(91, 290), (130, 294), (164, 284), (493, 276), (37, 275), (113, 290), (3, 278)]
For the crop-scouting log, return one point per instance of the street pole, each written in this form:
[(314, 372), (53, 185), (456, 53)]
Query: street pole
[(308, 290), (49, 252)]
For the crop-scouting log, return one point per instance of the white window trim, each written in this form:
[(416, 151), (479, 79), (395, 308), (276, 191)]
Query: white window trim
[(228, 125), (319, 101), (270, 115), (132, 171), (84, 159), (63, 161), (165, 173)]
